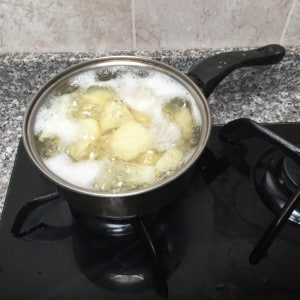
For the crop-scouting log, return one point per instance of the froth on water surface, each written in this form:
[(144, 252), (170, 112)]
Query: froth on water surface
[(120, 128)]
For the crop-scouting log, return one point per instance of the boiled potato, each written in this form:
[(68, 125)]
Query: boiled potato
[(47, 135), (98, 148), (121, 176), (178, 111), (84, 149), (47, 144), (106, 74), (169, 161), (113, 115), (174, 105), (66, 88), (88, 128), (141, 117), (148, 158), (97, 95), (140, 175), (130, 140), (90, 103), (184, 120), (79, 150)]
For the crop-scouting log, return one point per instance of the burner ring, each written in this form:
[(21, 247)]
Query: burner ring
[(290, 174), (276, 177), (111, 227)]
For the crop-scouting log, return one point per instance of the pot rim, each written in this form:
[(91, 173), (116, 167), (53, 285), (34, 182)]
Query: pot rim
[(48, 87)]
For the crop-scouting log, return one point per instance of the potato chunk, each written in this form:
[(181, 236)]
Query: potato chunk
[(171, 160), (78, 150), (113, 115), (47, 144), (99, 148), (88, 128), (66, 88), (85, 149), (130, 140), (141, 117), (184, 121), (121, 176), (148, 158), (90, 103), (179, 111)]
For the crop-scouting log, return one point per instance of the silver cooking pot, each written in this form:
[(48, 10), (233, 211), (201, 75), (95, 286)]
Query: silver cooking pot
[(199, 81)]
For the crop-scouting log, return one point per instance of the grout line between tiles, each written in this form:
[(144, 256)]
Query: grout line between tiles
[(287, 21), (133, 24)]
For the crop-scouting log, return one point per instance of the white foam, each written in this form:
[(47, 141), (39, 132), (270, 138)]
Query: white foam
[(72, 172), (140, 93), (53, 119), (146, 94), (164, 134), (84, 80)]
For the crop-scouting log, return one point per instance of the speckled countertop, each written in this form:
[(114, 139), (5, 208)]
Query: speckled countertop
[(265, 94)]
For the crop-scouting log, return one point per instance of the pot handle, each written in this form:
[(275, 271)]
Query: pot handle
[(210, 72), (29, 226)]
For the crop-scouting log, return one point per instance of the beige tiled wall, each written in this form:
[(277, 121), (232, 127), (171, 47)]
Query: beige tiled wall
[(58, 25)]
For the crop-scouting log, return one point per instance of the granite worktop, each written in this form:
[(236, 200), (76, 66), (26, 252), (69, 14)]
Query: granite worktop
[(265, 94)]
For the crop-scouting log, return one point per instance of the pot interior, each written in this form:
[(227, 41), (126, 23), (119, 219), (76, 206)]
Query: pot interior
[(128, 79)]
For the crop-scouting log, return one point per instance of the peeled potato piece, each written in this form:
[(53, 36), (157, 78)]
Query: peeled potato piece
[(47, 144), (140, 175), (113, 115), (88, 128), (141, 117), (130, 140), (178, 111), (148, 158), (66, 88), (98, 148), (78, 150), (84, 149), (45, 135), (121, 176), (90, 103), (183, 119), (169, 161)]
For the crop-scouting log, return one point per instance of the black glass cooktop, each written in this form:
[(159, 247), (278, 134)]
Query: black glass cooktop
[(203, 239)]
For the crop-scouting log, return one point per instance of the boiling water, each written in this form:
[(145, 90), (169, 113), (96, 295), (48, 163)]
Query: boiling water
[(164, 143)]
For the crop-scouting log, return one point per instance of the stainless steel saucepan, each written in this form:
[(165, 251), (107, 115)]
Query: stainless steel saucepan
[(199, 81)]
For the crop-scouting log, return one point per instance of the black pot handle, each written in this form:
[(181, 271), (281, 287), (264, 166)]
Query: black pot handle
[(211, 71)]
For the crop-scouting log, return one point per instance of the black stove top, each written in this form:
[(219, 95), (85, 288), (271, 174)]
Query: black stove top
[(203, 239)]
